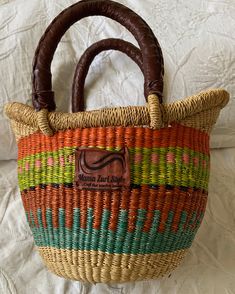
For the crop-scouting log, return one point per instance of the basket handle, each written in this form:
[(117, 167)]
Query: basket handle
[(86, 59), (43, 96)]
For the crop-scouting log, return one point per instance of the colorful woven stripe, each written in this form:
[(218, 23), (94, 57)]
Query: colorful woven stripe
[(184, 162), (156, 217), (157, 166), (104, 240), (116, 137), (146, 221), (144, 198)]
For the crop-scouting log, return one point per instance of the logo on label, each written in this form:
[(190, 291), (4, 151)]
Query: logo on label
[(99, 169)]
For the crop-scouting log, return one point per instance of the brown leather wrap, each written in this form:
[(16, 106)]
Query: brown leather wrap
[(86, 59), (151, 51)]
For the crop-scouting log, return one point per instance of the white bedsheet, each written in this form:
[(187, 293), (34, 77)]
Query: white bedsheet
[(209, 268), (197, 38)]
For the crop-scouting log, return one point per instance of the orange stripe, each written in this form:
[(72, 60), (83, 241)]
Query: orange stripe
[(176, 136), (83, 209), (133, 209), (145, 199), (98, 210), (55, 207), (114, 210), (179, 205), (68, 208), (124, 201), (166, 207), (150, 211)]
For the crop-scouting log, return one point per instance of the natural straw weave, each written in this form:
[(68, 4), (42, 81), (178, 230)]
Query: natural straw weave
[(122, 235), (200, 111)]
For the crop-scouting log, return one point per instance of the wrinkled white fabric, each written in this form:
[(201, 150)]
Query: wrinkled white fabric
[(197, 39)]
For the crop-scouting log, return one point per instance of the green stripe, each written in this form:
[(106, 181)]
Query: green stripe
[(120, 241), (145, 172), (70, 150)]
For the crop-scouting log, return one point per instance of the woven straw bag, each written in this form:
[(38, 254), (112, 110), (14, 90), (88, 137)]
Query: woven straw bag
[(116, 194)]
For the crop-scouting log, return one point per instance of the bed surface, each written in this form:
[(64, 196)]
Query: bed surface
[(197, 38)]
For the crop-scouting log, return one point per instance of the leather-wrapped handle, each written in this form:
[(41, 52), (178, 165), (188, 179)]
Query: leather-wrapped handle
[(86, 59), (43, 96)]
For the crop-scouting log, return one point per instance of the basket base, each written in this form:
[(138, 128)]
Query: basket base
[(100, 267)]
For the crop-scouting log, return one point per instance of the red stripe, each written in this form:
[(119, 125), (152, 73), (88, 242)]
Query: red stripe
[(175, 136)]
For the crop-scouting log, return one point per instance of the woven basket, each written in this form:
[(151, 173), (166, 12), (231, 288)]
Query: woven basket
[(140, 219)]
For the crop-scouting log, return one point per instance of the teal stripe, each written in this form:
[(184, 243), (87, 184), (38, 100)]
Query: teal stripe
[(152, 233), (75, 228), (120, 241), (141, 216), (103, 230), (121, 231)]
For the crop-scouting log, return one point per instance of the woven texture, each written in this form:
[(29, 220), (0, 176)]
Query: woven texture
[(104, 236), (133, 233), (199, 111)]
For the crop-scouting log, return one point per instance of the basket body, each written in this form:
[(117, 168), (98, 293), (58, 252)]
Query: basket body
[(138, 233), (141, 226)]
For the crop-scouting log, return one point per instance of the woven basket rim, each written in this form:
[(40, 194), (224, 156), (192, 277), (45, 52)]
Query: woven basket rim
[(122, 116)]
